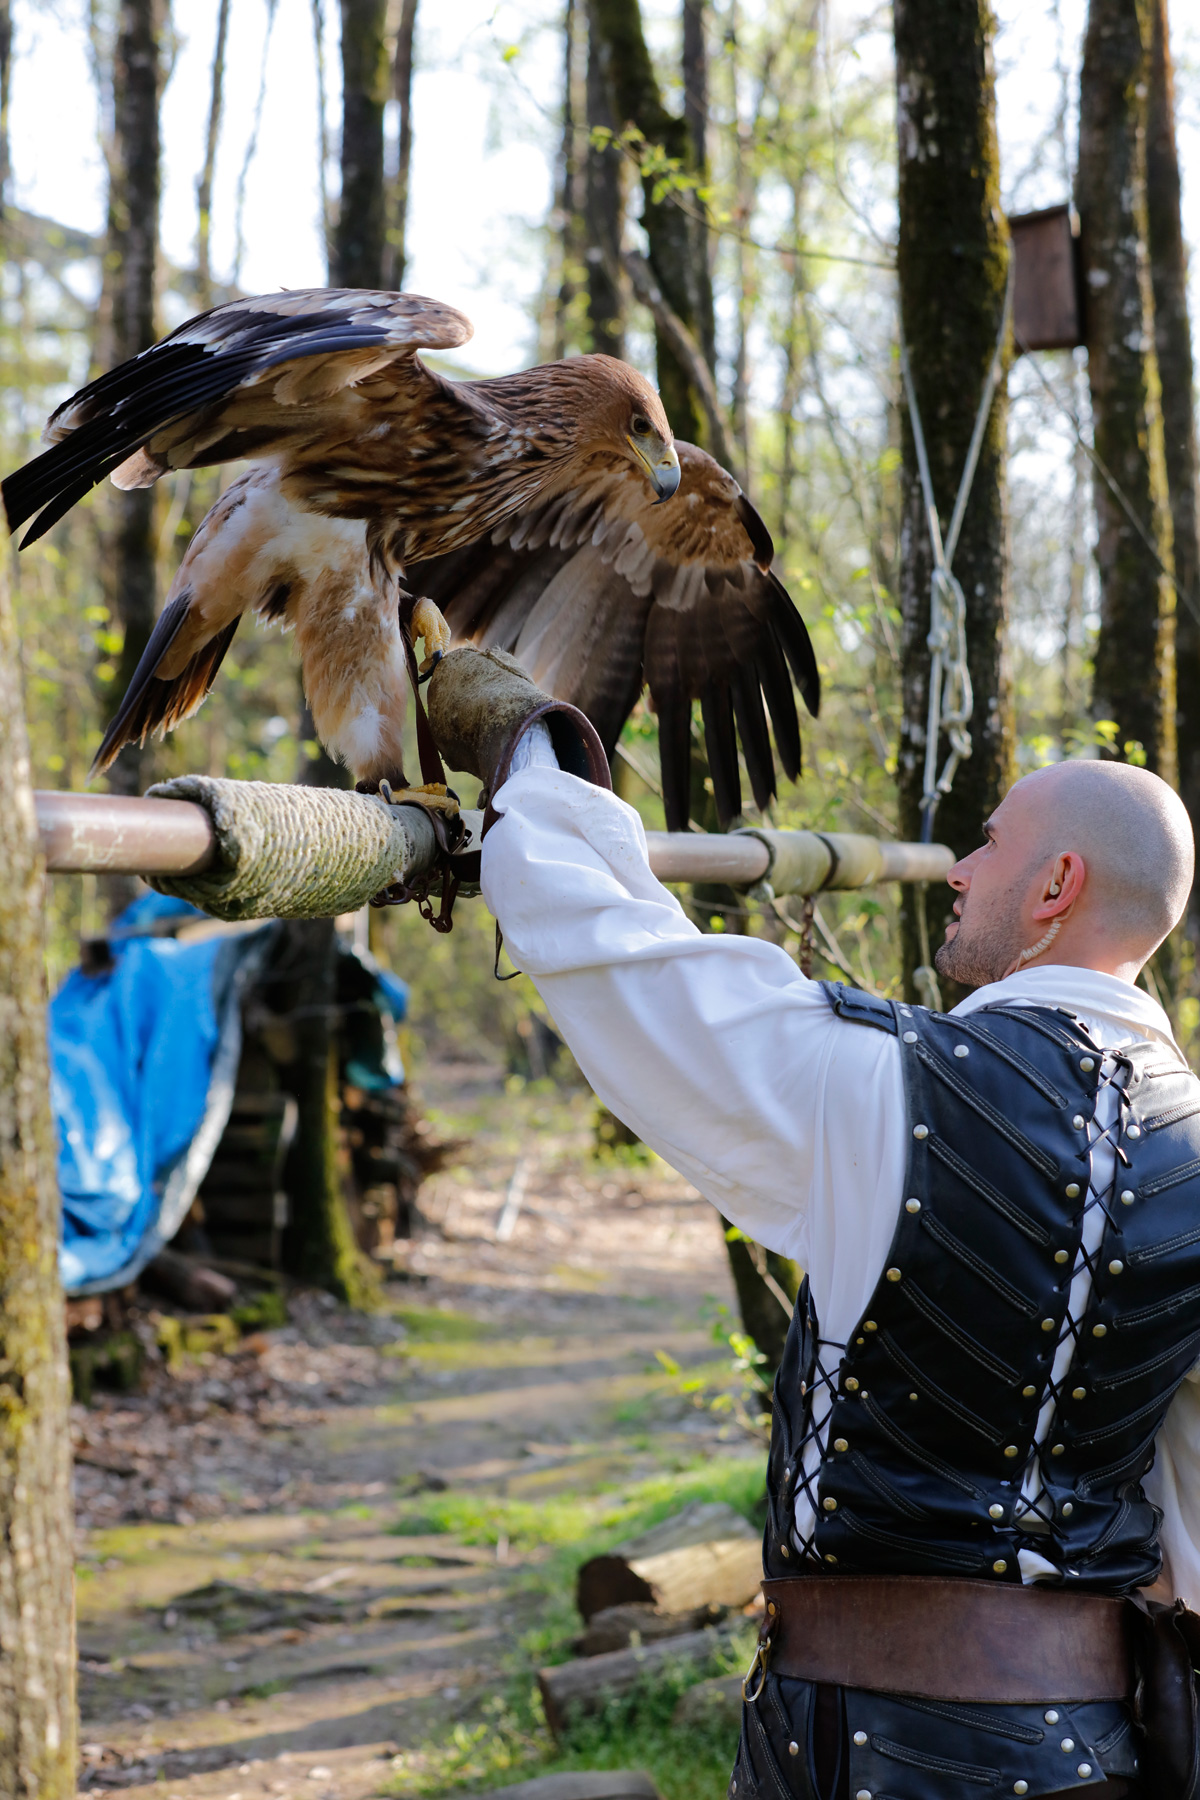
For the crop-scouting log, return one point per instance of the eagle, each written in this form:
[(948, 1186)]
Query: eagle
[(548, 512)]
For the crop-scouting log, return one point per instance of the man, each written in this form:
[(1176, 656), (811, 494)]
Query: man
[(985, 1381)]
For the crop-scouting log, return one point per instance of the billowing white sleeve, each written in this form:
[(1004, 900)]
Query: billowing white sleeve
[(1174, 1484), (713, 1048)]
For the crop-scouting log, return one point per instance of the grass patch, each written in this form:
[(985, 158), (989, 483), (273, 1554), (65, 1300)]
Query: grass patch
[(590, 1524), (436, 1325), (560, 1532), (509, 1742)]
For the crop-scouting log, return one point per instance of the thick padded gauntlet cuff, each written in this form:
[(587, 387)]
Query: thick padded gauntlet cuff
[(481, 703)]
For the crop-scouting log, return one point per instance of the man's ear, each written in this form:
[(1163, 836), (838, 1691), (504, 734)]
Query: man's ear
[(1062, 887)]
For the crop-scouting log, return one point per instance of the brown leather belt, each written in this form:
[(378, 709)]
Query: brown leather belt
[(946, 1640)]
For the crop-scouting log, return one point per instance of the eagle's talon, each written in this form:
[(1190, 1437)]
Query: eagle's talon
[(427, 667), (434, 796), (428, 623)]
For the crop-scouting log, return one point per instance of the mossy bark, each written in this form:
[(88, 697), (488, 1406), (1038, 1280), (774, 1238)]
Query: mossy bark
[(1134, 676), (128, 326), (952, 257), (318, 1244), (677, 235), (1173, 349), (360, 234), (37, 1617)]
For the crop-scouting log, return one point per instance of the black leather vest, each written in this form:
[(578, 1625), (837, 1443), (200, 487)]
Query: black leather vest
[(937, 1396), (937, 1402)]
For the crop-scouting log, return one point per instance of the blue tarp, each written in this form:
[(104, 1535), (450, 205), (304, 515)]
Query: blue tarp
[(144, 1059)]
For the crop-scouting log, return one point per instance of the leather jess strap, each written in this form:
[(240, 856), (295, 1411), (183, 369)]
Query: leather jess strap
[(948, 1640)]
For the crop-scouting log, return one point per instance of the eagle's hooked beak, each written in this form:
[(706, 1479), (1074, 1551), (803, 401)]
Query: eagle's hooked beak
[(665, 475), (662, 466)]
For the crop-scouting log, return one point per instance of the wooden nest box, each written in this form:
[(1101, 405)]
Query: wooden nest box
[(1047, 290)]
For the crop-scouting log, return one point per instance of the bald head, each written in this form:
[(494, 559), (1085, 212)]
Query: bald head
[(1132, 830), (1097, 855)]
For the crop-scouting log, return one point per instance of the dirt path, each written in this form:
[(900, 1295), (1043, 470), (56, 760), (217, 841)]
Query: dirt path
[(306, 1565)]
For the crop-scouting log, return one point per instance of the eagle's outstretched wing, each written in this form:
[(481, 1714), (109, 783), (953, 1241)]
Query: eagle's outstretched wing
[(598, 600), (293, 377)]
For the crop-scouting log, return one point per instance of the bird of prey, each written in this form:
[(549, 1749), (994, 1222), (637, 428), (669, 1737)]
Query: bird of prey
[(541, 490)]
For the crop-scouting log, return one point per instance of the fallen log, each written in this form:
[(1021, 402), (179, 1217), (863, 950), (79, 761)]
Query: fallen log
[(706, 1555), (619, 1627), (582, 1784), (192, 1283), (588, 1684)]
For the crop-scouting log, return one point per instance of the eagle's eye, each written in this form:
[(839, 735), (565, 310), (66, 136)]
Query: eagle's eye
[(639, 425)]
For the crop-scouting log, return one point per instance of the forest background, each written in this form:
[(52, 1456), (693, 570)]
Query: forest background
[(793, 215), (488, 156)]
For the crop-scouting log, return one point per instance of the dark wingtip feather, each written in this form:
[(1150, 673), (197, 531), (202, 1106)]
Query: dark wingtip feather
[(675, 760), (793, 634), (761, 541), (781, 704), (756, 741), (151, 703), (720, 745)]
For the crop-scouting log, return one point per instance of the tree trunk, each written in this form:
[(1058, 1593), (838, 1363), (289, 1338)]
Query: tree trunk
[(604, 213), (767, 1285), (318, 1243), (1133, 674), (37, 1609), (6, 45), (677, 252), (695, 116), (204, 184), (953, 262), (1173, 348), (569, 203), (360, 232), (396, 256), (131, 269)]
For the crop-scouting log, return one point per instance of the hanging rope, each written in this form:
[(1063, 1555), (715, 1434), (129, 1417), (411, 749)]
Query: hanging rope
[(951, 700)]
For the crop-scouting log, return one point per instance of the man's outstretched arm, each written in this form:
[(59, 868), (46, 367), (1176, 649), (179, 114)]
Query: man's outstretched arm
[(713, 1048)]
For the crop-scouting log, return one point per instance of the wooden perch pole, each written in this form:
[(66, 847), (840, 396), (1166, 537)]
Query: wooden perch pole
[(104, 832)]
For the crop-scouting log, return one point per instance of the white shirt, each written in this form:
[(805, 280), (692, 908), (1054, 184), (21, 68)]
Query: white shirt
[(723, 1058)]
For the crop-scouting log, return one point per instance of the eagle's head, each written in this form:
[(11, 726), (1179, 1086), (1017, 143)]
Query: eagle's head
[(596, 411)]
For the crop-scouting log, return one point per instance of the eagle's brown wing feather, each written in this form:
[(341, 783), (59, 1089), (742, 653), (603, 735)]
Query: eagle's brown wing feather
[(600, 594), (257, 377)]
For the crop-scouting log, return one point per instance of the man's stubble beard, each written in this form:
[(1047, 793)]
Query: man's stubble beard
[(984, 950)]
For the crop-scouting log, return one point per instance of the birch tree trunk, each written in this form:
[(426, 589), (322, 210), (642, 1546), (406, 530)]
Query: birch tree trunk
[(1173, 349), (37, 1603), (1134, 676), (129, 327), (953, 263)]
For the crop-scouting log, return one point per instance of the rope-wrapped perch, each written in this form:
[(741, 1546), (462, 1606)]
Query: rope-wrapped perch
[(256, 849), (294, 852)]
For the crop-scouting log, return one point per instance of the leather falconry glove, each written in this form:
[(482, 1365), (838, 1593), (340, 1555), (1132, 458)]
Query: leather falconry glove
[(481, 703)]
